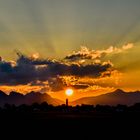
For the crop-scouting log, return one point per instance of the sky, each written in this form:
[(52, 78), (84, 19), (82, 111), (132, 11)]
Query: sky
[(95, 36)]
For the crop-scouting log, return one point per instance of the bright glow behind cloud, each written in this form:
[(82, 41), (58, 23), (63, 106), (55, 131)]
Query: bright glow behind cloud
[(82, 70)]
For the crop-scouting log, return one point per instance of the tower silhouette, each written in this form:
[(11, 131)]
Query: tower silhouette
[(67, 102)]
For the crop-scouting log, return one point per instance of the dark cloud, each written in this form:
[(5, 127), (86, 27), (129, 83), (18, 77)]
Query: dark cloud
[(28, 70), (84, 53), (78, 56), (80, 86), (56, 84)]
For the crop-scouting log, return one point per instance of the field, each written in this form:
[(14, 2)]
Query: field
[(69, 125)]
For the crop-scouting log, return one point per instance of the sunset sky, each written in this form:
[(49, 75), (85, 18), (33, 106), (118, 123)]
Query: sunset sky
[(91, 46)]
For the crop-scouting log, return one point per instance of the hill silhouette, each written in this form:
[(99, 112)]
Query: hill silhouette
[(113, 98), (30, 98)]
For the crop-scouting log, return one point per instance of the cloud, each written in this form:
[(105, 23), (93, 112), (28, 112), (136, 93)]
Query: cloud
[(128, 46), (81, 86), (27, 70), (53, 74), (86, 53), (56, 84)]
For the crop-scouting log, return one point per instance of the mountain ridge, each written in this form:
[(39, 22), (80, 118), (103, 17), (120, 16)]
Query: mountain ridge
[(30, 98), (112, 98)]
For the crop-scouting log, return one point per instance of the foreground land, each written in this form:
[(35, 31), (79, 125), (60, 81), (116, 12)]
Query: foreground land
[(80, 121)]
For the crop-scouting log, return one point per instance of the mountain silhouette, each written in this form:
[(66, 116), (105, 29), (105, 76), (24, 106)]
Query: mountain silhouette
[(15, 98), (3, 98), (30, 98), (113, 98), (2, 93), (118, 91), (41, 97)]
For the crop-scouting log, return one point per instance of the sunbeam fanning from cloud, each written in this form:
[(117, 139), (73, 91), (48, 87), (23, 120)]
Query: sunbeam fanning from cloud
[(46, 35)]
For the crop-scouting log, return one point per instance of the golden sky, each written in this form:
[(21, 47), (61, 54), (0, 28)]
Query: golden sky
[(91, 46)]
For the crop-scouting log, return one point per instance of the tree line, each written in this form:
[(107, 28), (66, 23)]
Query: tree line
[(45, 107)]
